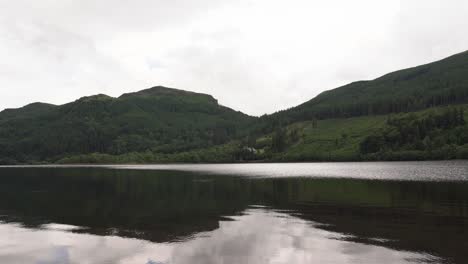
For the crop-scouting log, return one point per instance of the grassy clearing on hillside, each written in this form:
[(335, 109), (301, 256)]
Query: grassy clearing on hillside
[(332, 139)]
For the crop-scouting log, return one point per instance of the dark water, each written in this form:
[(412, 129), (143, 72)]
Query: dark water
[(255, 213)]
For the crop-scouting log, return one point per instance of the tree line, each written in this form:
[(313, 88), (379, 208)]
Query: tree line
[(439, 134)]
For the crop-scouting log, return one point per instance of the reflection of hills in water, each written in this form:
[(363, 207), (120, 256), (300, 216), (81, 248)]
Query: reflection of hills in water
[(154, 206), (163, 206)]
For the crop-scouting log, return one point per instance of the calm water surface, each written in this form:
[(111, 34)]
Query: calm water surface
[(408, 212)]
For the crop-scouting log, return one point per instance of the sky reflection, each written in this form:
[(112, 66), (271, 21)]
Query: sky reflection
[(258, 236)]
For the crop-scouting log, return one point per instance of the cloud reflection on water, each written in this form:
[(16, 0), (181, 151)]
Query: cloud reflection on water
[(258, 236)]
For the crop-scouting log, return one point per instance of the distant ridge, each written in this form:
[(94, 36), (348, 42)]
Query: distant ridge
[(162, 90), (27, 110), (434, 84)]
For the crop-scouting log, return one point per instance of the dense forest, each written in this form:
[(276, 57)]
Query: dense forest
[(160, 120), (435, 135), (412, 114)]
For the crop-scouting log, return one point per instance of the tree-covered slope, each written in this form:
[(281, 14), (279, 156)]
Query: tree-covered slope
[(439, 83), (159, 119)]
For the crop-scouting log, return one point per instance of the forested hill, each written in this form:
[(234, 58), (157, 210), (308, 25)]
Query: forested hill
[(439, 83), (160, 119)]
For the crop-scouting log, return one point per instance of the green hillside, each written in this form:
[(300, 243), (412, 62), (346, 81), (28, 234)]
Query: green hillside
[(439, 83), (159, 119), (436, 133)]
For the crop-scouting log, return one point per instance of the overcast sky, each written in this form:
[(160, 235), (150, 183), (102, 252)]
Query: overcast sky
[(257, 56)]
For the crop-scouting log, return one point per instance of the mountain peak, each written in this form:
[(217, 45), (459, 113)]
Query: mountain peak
[(161, 91), (97, 97), (30, 109)]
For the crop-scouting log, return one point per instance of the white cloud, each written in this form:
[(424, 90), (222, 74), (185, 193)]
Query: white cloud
[(256, 56)]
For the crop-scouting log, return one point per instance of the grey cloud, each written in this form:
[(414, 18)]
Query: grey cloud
[(46, 63), (119, 15)]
